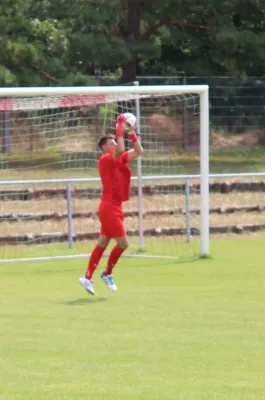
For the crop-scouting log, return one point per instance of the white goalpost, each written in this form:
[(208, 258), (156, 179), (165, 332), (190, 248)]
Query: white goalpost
[(49, 186)]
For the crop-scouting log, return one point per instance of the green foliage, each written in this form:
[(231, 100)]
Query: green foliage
[(60, 42), (215, 38)]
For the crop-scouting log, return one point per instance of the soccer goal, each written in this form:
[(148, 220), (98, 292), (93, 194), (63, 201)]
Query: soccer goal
[(49, 185)]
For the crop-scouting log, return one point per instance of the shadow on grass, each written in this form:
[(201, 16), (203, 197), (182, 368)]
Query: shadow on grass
[(80, 302)]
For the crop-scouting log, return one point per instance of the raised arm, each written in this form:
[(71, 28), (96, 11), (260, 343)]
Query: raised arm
[(120, 148), (137, 147)]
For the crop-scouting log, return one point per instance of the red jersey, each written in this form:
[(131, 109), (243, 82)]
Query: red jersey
[(115, 177)]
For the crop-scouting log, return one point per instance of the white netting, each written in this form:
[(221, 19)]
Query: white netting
[(55, 137), (169, 130)]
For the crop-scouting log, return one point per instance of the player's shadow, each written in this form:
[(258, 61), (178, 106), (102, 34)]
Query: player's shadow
[(80, 302)]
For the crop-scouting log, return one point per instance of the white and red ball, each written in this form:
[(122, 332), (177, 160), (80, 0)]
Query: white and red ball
[(130, 123)]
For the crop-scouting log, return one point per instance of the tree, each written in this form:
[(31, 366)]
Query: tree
[(61, 42), (32, 46), (104, 33), (207, 38)]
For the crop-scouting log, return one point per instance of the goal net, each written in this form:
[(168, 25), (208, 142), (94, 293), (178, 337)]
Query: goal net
[(49, 185)]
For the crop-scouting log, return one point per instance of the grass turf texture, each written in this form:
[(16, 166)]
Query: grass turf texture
[(190, 331)]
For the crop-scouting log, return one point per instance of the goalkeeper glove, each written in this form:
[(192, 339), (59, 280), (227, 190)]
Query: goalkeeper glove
[(119, 122)]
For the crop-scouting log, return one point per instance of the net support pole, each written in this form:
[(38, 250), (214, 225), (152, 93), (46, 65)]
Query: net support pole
[(185, 132), (204, 171), (69, 215), (6, 141), (187, 204), (139, 176)]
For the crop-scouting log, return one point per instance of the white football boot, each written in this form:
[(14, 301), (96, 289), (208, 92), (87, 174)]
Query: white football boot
[(88, 285), (109, 282)]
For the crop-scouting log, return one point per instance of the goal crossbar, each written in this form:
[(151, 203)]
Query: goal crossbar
[(96, 90)]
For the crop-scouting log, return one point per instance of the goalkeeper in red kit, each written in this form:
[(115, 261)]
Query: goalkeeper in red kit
[(115, 176)]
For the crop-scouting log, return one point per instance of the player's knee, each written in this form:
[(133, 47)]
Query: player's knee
[(125, 246), (103, 242), (123, 243)]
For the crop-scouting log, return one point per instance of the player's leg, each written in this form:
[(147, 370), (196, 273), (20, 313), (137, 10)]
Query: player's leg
[(112, 218), (97, 253), (121, 246), (98, 250)]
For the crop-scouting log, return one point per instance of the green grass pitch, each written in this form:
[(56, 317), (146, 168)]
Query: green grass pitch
[(189, 331)]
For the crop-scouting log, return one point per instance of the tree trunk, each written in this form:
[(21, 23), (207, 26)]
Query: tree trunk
[(132, 36), (128, 72)]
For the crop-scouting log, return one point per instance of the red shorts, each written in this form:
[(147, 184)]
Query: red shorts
[(111, 217)]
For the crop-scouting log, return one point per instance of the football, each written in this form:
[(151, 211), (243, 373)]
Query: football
[(130, 123)]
